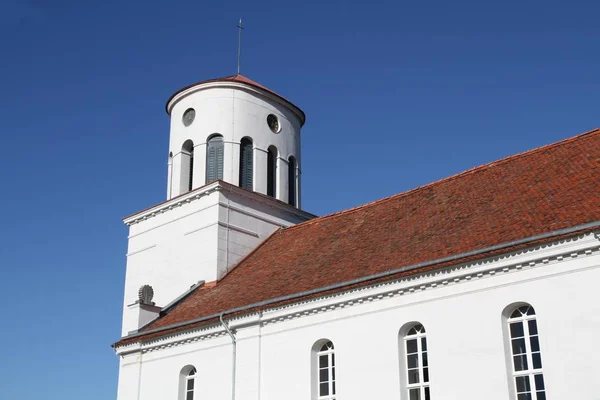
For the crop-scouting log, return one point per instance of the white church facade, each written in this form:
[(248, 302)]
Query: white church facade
[(478, 286)]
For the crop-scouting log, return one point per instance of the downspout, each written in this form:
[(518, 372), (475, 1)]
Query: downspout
[(233, 354), (227, 238)]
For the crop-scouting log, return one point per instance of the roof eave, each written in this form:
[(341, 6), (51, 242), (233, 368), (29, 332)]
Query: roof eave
[(548, 236), (226, 82)]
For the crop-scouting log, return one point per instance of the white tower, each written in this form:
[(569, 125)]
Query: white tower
[(236, 130), (233, 179)]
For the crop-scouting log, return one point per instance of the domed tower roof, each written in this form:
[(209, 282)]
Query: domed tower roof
[(235, 79)]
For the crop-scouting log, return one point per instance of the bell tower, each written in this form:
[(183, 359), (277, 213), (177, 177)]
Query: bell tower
[(236, 130), (234, 172)]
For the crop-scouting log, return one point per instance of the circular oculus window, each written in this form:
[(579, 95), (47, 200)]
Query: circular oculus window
[(188, 116), (273, 123)]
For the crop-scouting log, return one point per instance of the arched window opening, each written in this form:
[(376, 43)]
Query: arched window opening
[(326, 372), (187, 166), (214, 158), (292, 181), (272, 171), (417, 364), (191, 173), (189, 384), (246, 163), (526, 355), (170, 176)]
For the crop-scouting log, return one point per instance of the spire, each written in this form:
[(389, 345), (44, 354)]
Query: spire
[(240, 28)]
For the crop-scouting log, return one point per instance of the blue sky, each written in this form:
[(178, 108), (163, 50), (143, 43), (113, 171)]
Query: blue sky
[(397, 94)]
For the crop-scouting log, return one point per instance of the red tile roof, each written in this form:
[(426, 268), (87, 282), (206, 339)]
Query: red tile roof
[(540, 191), (239, 79)]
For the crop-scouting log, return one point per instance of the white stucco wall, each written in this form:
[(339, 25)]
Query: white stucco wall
[(460, 307), (199, 236), (234, 111)]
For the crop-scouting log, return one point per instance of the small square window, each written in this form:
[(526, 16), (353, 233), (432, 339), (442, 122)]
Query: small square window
[(522, 383), (413, 376), (415, 394), (411, 346), (516, 330), (520, 363)]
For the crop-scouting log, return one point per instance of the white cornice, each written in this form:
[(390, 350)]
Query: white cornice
[(172, 203), (546, 254), (216, 186), (584, 245)]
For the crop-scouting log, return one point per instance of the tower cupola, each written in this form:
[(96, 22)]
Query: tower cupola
[(236, 130)]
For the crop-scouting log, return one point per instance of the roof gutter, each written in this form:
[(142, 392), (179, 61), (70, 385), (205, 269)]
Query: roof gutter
[(501, 246)]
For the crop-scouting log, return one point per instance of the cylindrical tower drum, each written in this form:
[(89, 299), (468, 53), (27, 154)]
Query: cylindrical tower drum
[(238, 131)]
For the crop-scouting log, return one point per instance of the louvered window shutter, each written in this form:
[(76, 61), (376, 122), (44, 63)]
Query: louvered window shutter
[(246, 160), (211, 158), (214, 159), (220, 158)]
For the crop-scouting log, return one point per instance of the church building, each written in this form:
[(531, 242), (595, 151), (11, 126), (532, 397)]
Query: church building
[(478, 286)]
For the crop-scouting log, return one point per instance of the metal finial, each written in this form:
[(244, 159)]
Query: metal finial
[(240, 28)]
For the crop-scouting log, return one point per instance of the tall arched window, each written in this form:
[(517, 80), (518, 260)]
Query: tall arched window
[(246, 163), (526, 356), (187, 166), (417, 364), (214, 158), (292, 181), (170, 176), (191, 180), (272, 171), (325, 374), (189, 384)]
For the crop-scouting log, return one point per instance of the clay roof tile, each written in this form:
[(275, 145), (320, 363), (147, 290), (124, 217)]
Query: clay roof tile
[(540, 191)]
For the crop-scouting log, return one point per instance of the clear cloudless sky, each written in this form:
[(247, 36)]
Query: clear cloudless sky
[(397, 94)]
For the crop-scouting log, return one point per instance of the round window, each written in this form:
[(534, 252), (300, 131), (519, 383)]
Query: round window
[(273, 123), (188, 116)]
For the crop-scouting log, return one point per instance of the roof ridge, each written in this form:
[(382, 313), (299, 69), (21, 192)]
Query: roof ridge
[(447, 179)]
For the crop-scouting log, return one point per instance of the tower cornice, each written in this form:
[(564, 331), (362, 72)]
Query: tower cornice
[(235, 82), (216, 186)]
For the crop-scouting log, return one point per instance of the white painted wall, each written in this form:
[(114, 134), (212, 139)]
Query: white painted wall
[(199, 236), (234, 111), (461, 309)]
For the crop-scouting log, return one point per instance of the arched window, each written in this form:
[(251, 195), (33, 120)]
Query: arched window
[(170, 176), (191, 180), (187, 166), (272, 171), (417, 365), (292, 181), (246, 163), (214, 158), (525, 354), (189, 385), (325, 365)]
